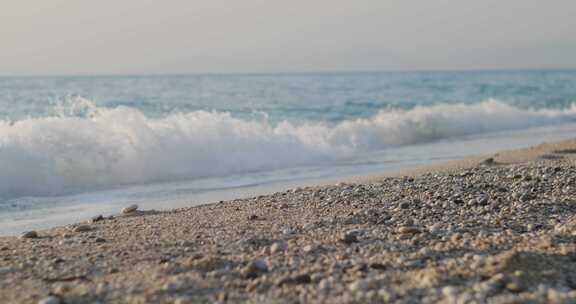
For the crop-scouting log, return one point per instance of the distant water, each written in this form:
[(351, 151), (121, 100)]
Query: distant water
[(73, 146)]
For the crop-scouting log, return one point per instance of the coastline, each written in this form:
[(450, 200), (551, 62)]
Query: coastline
[(498, 227)]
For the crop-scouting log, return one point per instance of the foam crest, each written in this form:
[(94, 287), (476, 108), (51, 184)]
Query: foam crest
[(84, 147)]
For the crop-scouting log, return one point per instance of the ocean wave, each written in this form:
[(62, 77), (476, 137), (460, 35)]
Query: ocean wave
[(83, 147)]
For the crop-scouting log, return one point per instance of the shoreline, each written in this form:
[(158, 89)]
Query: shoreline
[(543, 151), (499, 227)]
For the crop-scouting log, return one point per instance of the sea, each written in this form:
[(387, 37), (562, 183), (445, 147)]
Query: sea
[(72, 147)]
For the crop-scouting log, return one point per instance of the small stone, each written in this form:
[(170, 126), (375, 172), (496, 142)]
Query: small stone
[(514, 286), (488, 161), (174, 284), (345, 192), (222, 297), (404, 205), (359, 285), (308, 226), (61, 289), (258, 265), (29, 235), (183, 300), (130, 209), (349, 237), (458, 201), (50, 300), (525, 197), (434, 229), (82, 228), (316, 277), (409, 230), (255, 268), (6, 269), (303, 279), (278, 246), (251, 287), (97, 218), (449, 291), (294, 280), (66, 242), (308, 248)]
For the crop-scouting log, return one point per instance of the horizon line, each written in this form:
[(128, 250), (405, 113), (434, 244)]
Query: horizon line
[(160, 74)]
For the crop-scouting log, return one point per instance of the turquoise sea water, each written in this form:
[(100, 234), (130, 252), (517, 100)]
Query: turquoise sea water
[(73, 146)]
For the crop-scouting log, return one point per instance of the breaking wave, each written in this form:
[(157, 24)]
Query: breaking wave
[(83, 147)]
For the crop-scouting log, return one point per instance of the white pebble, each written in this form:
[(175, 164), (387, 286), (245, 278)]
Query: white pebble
[(130, 209), (308, 248)]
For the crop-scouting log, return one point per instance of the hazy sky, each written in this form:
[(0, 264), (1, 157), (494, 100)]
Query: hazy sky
[(194, 36)]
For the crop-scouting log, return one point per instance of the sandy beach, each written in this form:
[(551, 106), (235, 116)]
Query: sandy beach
[(498, 228)]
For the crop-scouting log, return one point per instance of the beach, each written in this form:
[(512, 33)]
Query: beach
[(288, 153), (497, 228)]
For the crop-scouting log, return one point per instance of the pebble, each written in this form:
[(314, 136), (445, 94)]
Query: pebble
[(175, 284), (255, 268), (308, 248), (278, 246), (6, 269), (66, 242), (97, 218), (449, 291), (349, 237), (183, 300), (130, 209), (409, 230), (29, 235), (50, 300), (359, 285), (294, 280), (82, 228), (61, 289), (435, 228), (489, 161), (308, 226), (258, 265)]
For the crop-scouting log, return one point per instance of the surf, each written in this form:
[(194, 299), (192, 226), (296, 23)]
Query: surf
[(84, 147)]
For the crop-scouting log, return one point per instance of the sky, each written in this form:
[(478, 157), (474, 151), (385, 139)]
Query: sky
[(261, 36)]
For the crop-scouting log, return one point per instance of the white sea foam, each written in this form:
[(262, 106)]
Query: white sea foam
[(86, 147)]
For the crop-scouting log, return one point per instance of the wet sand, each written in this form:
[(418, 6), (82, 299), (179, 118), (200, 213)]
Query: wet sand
[(499, 228)]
